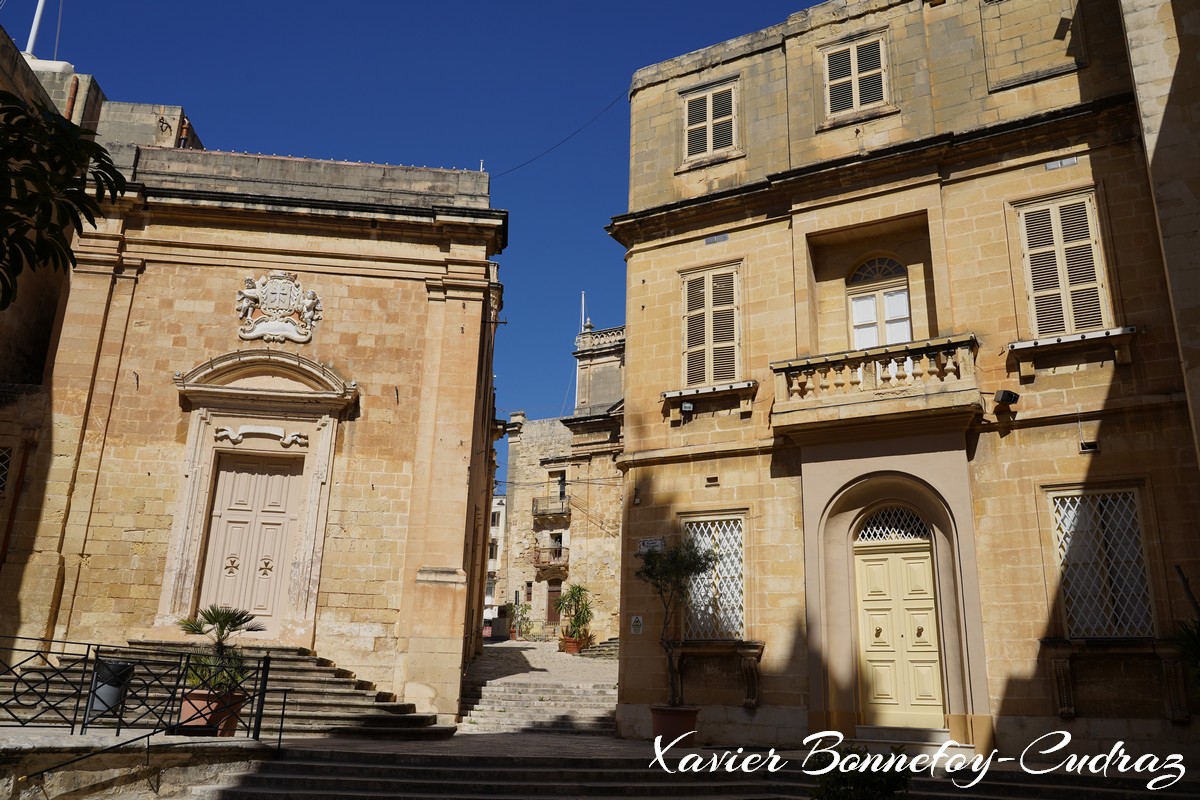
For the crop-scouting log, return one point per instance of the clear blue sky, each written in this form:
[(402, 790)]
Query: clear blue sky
[(442, 84)]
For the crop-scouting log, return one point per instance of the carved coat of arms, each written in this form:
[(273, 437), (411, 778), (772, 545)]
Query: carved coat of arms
[(277, 309)]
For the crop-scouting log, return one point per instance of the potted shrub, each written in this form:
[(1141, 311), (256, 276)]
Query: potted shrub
[(215, 695), (575, 607), (669, 572)]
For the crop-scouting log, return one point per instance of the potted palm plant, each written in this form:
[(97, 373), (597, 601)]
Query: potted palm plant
[(670, 571), (215, 695), (575, 606)]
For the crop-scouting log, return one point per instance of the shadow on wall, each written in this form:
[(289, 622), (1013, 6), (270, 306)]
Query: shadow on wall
[(1119, 538), (25, 434)]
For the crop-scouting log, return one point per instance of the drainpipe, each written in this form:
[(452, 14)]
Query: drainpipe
[(71, 98)]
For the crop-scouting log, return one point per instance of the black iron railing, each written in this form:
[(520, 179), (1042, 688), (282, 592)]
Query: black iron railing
[(74, 685)]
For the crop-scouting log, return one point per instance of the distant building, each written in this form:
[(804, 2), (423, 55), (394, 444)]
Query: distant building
[(268, 384), (491, 600), (564, 517), (909, 290)]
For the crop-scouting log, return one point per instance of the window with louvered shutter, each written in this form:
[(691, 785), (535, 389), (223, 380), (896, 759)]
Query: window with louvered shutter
[(710, 122), (856, 76), (710, 328), (1063, 262)]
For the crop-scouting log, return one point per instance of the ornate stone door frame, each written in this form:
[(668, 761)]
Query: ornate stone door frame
[(262, 402)]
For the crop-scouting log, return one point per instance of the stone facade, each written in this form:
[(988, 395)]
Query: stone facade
[(564, 517), (902, 348), (269, 385)]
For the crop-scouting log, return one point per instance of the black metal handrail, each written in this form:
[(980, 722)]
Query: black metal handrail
[(62, 683), (46, 682)]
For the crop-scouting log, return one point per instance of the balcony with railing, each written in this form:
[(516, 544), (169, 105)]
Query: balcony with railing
[(553, 556), (555, 506), (877, 386)]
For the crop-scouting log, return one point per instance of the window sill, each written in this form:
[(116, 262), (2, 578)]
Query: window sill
[(853, 117), (1119, 339), (711, 160), (742, 391)]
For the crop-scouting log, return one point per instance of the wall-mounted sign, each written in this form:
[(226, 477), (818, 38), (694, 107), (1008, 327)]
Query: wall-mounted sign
[(651, 545), (635, 624)]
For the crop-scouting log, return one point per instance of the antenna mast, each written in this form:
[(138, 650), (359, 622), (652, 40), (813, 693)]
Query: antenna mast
[(33, 31)]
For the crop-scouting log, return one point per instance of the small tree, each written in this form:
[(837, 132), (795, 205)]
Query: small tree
[(221, 669), (45, 165), (670, 572), (575, 605)]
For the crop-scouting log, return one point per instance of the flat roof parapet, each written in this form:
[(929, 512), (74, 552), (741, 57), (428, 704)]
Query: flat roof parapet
[(301, 179)]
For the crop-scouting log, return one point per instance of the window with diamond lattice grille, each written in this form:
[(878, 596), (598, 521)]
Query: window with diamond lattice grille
[(855, 76), (1064, 266), (5, 464), (709, 122), (710, 328), (1099, 542), (716, 600), (894, 524)]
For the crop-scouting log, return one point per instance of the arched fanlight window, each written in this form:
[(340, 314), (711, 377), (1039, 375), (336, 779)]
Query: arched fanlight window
[(880, 268), (894, 524)]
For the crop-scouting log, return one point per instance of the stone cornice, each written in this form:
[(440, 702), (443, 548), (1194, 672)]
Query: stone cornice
[(771, 195)]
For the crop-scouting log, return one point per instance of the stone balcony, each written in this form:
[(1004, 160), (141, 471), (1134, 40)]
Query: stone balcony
[(900, 385), (551, 506)]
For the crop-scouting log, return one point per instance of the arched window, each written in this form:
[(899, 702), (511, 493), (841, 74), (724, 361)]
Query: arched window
[(877, 293)]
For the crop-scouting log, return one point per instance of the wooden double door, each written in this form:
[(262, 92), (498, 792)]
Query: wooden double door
[(251, 535), (900, 673)]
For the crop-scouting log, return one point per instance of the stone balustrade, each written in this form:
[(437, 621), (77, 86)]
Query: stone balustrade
[(876, 382)]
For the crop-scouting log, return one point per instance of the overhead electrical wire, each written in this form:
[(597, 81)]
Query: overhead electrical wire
[(571, 136)]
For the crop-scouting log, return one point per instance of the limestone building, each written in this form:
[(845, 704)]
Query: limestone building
[(904, 326), (268, 384), (564, 517)]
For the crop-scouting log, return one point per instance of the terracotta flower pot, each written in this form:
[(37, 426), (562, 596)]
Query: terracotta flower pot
[(671, 722), (569, 645), (211, 713)]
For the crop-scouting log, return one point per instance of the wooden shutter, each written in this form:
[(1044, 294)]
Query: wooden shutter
[(1062, 259), (710, 122), (724, 328), (710, 329), (722, 119), (855, 76), (869, 68), (840, 79), (696, 340), (697, 125)]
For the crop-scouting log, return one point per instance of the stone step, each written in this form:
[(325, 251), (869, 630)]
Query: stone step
[(297, 776), (608, 649), (543, 690), (543, 709)]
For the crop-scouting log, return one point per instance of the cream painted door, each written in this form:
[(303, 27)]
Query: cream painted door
[(900, 675), (251, 530)]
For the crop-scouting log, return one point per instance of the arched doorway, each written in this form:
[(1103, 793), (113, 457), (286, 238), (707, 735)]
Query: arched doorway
[(893, 550)]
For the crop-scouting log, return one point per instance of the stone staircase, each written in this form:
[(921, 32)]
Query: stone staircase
[(320, 697), (309, 775), (515, 768), (608, 650), (512, 706)]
